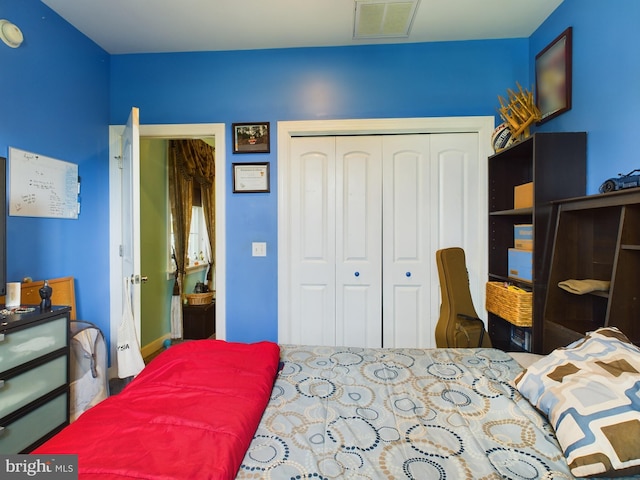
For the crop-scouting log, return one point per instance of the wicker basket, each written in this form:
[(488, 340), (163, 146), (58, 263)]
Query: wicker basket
[(512, 305), (199, 298)]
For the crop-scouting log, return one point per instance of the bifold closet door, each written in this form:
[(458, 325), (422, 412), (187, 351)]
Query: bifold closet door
[(460, 219), (410, 193), (359, 241), (312, 266), (430, 185), (367, 214), (336, 264)]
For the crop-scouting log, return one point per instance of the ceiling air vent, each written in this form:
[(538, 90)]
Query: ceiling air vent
[(384, 18)]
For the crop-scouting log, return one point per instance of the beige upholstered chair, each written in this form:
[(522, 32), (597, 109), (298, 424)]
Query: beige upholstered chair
[(458, 325)]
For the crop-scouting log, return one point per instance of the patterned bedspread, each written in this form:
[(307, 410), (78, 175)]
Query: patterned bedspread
[(358, 413)]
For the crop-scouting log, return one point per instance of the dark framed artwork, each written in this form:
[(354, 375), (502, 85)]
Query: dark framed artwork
[(251, 177), (251, 137), (553, 77)]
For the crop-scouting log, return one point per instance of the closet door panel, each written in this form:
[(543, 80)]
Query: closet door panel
[(313, 255), (358, 241), (315, 304), (458, 221), (406, 238), (409, 314), (356, 328)]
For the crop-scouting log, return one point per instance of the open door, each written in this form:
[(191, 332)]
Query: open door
[(130, 211)]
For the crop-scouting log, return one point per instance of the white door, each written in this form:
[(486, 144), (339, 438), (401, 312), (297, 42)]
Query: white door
[(336, 271), (312, 247), (407, 238), (430, 202), (358, 241), (461, 221), (130, 210)]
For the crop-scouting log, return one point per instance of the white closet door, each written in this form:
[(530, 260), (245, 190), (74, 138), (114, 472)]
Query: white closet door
[(359, 241), (460, 219), (431, 191), (366, 217), (312, 241), (407, 251)]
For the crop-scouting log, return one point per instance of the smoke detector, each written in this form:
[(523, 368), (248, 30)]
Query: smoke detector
[(10, 34), (384, 18)]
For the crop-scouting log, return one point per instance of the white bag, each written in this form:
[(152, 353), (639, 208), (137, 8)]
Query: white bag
[(130, 361)]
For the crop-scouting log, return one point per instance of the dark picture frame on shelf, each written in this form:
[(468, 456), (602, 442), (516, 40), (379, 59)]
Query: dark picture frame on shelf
[(251, 177), (251, 137), (553, 77)]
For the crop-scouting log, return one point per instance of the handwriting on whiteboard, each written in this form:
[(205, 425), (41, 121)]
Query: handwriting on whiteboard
[(40, 186)]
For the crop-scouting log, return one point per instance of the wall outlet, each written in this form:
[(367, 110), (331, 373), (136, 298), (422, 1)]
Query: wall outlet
[(259, 249)]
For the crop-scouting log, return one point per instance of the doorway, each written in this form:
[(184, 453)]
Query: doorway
[(216, 131), (156, 262)]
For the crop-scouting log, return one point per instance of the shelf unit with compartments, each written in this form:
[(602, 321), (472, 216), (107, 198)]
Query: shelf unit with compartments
[(556, 164), (596, 238)]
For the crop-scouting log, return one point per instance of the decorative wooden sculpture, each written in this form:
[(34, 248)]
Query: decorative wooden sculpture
[(519, 112)]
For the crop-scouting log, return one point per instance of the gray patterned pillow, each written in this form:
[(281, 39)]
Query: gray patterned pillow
[(590, 392)]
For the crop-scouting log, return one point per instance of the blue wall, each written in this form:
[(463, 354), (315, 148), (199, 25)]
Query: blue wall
[(606, 81), (55, 102), (60, 92), (415, 80)]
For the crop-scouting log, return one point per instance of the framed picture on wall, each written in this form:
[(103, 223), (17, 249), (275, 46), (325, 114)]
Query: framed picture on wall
[(251, 177), (553, 77), (251, 137)]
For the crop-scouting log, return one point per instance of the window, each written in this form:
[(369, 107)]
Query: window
[(198, 238), (198, 250)]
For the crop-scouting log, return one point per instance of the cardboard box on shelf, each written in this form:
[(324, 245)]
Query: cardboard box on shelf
[(523, 236), (520, 263), (523, 195)]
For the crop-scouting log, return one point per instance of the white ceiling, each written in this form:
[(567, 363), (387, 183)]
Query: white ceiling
[(147, 26)]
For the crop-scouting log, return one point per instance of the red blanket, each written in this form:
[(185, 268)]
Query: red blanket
[(191, 413)]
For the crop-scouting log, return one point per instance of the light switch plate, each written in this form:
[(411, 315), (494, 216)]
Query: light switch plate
[(259, 249)]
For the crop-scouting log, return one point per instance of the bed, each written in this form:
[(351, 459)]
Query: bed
[(357, 413), (400, 413)]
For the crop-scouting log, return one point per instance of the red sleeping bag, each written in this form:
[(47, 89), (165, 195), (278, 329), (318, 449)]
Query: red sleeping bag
[(191, 413)]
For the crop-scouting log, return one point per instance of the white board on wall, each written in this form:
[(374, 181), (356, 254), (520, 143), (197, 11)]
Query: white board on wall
[(40, 186)]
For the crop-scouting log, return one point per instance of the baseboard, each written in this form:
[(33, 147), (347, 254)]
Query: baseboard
[(154, 346)]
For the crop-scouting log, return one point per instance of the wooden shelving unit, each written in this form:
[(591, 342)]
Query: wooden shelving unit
[(556, 164), (596, 237)]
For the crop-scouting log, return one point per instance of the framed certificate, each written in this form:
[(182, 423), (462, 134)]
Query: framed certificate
[(251, 177)]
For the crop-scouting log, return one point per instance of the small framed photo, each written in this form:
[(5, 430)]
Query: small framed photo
[(553, 77), (251, 137), (251, 177)]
